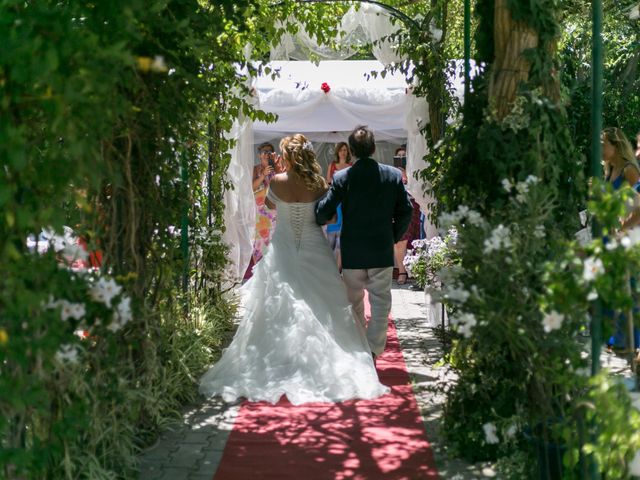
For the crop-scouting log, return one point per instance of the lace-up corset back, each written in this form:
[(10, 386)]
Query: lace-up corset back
[(296, 220)]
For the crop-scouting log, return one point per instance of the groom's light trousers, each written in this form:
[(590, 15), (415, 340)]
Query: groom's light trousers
[(376, 281)]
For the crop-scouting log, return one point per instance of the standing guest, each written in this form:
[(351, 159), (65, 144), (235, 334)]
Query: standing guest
[(413, 232), (620, 167), (269, 165), (342, 160), (618, 159), (376, 213)]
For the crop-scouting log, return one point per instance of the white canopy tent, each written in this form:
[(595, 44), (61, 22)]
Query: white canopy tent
[(325, 116), (350, 99)]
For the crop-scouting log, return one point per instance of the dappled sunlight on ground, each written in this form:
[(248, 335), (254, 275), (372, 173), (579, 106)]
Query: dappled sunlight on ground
[(356, 440)]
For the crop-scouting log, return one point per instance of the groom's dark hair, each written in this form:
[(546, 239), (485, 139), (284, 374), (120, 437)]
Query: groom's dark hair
[(361, 142)]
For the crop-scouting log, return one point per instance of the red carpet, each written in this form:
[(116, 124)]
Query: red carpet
[(381, 439)]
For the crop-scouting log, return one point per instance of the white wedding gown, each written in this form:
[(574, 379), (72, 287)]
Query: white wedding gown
[(298, 336)]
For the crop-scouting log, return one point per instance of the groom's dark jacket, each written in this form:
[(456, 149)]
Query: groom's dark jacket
[(376, 212)]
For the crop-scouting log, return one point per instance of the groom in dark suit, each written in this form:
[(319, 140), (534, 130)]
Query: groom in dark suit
[(376, 212)]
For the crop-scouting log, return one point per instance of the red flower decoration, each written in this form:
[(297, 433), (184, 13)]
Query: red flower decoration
[(325, 87)]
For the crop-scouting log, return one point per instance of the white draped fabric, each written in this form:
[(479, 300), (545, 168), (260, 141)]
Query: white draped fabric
[(417, 118), (296, 96), (365, 24), (240, 209)]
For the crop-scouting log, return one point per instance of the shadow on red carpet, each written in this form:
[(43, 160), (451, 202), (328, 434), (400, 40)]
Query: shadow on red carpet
[(381, 439)]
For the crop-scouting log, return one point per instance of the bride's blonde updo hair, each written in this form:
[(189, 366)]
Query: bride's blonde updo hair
[(298, 152)]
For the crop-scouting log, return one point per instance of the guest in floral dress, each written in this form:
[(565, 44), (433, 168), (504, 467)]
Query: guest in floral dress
[(263, 172)]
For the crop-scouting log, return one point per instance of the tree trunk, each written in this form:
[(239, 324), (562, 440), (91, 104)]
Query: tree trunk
[(510, 67)]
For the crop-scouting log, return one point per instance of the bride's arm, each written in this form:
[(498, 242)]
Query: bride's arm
[(328, 204)]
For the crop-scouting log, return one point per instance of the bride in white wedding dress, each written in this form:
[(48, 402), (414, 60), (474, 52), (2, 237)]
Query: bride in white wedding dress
[(298, 336)]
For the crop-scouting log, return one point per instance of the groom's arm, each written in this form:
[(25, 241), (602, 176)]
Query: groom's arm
[(327, 206)]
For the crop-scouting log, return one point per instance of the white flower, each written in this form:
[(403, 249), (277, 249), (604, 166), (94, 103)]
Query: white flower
[(456, 294), (625, 242), (539, 231), (122, 315), (511, 431), (552, 321), (490, 431), (124, 309), (532, 179), (446, 220), (463, 210), (37, 244), (592, 295), (67, 353), (104, 291), (583, 236), (592, 268), (474, 218), (72, 310), (507, 185), (522, 188), (499, 238), (73, 252), (58, 242), (464, 324), (466, 329), (173, 231), (447, 275), (612, 244)]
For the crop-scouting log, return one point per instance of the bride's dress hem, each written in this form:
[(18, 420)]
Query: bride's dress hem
[(298, 336)]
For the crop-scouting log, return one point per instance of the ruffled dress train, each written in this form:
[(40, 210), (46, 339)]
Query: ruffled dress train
[(298, 336)]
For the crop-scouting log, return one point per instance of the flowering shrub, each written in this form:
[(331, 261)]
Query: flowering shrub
[(599, 270), (428, 257), (113, 141), (510, 371), (520, 357)]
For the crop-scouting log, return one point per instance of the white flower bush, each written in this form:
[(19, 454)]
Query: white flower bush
[(428, 257), (66, 245), (103, 298), (503, 343)]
